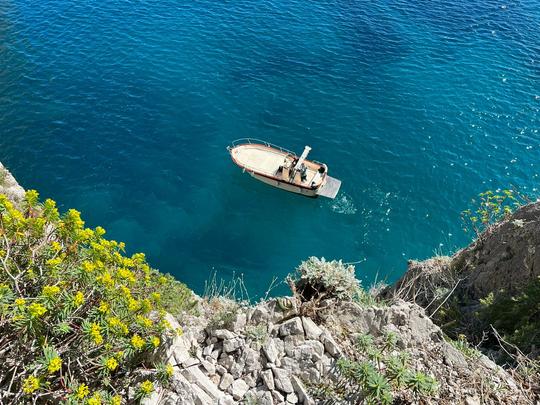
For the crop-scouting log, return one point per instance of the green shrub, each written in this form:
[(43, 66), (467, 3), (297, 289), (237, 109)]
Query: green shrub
[(316, 278), (77, 315)]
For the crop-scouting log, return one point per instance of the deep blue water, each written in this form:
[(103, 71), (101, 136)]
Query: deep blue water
[(123, 110)]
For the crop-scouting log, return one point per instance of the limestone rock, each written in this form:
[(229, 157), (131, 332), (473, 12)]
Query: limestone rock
[(282, 380), (270, 350), (223, 334), (301, 391), (268, 379), (9, 186), (311, 329), (226, 381), (330, 344), (230, 345), (292, 398), (291, 327), (252, 360), (238, 389)]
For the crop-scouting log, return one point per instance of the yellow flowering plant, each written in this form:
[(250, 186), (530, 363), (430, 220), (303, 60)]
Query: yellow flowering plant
[(71, 294)]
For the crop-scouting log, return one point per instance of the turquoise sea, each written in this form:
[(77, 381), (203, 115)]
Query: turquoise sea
[(123, 109)]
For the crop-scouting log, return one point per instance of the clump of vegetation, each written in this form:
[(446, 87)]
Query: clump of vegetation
[(224, 299), (463, 345), (489, 208), (316, 278), (77, 315), (377, 374)]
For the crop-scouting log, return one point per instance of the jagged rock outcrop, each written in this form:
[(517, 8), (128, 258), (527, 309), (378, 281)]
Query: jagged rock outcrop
[(9, 186), (272, 356), (504, 258)]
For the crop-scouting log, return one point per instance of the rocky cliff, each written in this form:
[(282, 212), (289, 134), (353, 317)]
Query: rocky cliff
[(336, 346), (269, 354)]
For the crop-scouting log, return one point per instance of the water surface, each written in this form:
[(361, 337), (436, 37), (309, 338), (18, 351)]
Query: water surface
[(123, 109)]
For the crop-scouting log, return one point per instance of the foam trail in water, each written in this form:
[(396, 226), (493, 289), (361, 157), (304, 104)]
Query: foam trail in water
[(343, 204)]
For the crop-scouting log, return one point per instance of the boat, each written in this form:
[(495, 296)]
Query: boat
[(283, 169)]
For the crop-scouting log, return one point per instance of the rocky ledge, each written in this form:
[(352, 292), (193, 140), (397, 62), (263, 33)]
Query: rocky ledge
[(270, 353)]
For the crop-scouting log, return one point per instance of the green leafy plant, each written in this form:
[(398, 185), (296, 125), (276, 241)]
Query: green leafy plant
[(489, 208), (77, 315), (375, 375)]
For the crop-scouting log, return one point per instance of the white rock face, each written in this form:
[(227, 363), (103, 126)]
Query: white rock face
[(270, 350), (232, 366), (9, 186), (230, 345), (238, 389), (226, 381), (311, 329), (282, 380), (291, 327)]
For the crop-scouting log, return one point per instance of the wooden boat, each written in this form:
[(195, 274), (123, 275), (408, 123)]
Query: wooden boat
[(283, 169)]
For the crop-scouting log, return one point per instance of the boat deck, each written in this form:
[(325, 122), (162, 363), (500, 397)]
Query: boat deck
[(267, 161), (259, 158)]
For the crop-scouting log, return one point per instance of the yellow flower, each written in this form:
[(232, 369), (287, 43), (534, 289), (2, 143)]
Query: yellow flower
[(146, 305), (95, 400), (54, 365), (111, 363), (156, 297), (100, 231), (169, 370), (126, 274), (85, 234), (31, 384), (50, 291), (144, 321), (126, 292), (118, 326), (119, 354), (54, 262), (20, 302), (116, 400), (133, 305), (36, 310), (95, 333), (146, 387), (137, 342), (56, 246), (87, 266), (78, 299), (179, 331), (103, 307), (106, 279), (82, 391), (155, 341)]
